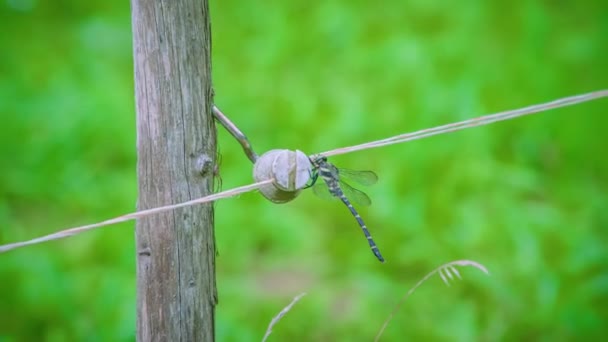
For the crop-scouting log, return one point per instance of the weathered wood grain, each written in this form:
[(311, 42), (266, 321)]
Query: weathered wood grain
[(176, 144)]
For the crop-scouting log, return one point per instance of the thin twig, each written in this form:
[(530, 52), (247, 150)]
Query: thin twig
[(278, 317), (426, 277), (236, 133), (132, 216), (479, 121)]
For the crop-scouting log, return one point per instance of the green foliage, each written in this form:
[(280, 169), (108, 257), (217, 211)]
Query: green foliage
[(527, 198)]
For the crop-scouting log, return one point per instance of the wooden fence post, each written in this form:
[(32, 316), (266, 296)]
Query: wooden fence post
[(176, 146)]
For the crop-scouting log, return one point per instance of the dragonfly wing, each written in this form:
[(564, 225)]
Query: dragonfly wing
[(361, 177), (320, 189), (354, 195)]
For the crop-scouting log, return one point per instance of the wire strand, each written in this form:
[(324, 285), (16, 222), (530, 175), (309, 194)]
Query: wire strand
[(132, 216), (479, 121)]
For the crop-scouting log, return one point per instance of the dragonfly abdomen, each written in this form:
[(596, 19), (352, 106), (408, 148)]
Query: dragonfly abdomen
[(368, 236)]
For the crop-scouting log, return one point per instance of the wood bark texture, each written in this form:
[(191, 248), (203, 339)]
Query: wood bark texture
[(176, 144)]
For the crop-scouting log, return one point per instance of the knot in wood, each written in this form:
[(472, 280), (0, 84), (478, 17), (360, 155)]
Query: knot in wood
[(204, 164), (291, 171)]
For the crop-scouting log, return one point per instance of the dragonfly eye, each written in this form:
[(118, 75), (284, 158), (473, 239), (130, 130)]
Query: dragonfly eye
[(316, 160)]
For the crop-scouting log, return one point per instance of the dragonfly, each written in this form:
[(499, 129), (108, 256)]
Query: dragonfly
[(335, 187)]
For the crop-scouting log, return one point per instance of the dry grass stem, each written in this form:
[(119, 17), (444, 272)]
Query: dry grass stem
[(278, 317), (445, 271)]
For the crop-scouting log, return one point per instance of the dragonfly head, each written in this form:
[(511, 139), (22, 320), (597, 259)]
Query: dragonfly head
[(317, 160)]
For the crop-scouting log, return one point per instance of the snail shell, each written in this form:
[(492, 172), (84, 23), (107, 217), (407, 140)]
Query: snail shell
[(291, 171)]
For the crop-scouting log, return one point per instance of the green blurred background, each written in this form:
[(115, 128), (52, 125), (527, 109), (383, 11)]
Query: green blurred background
[(527, 197)]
